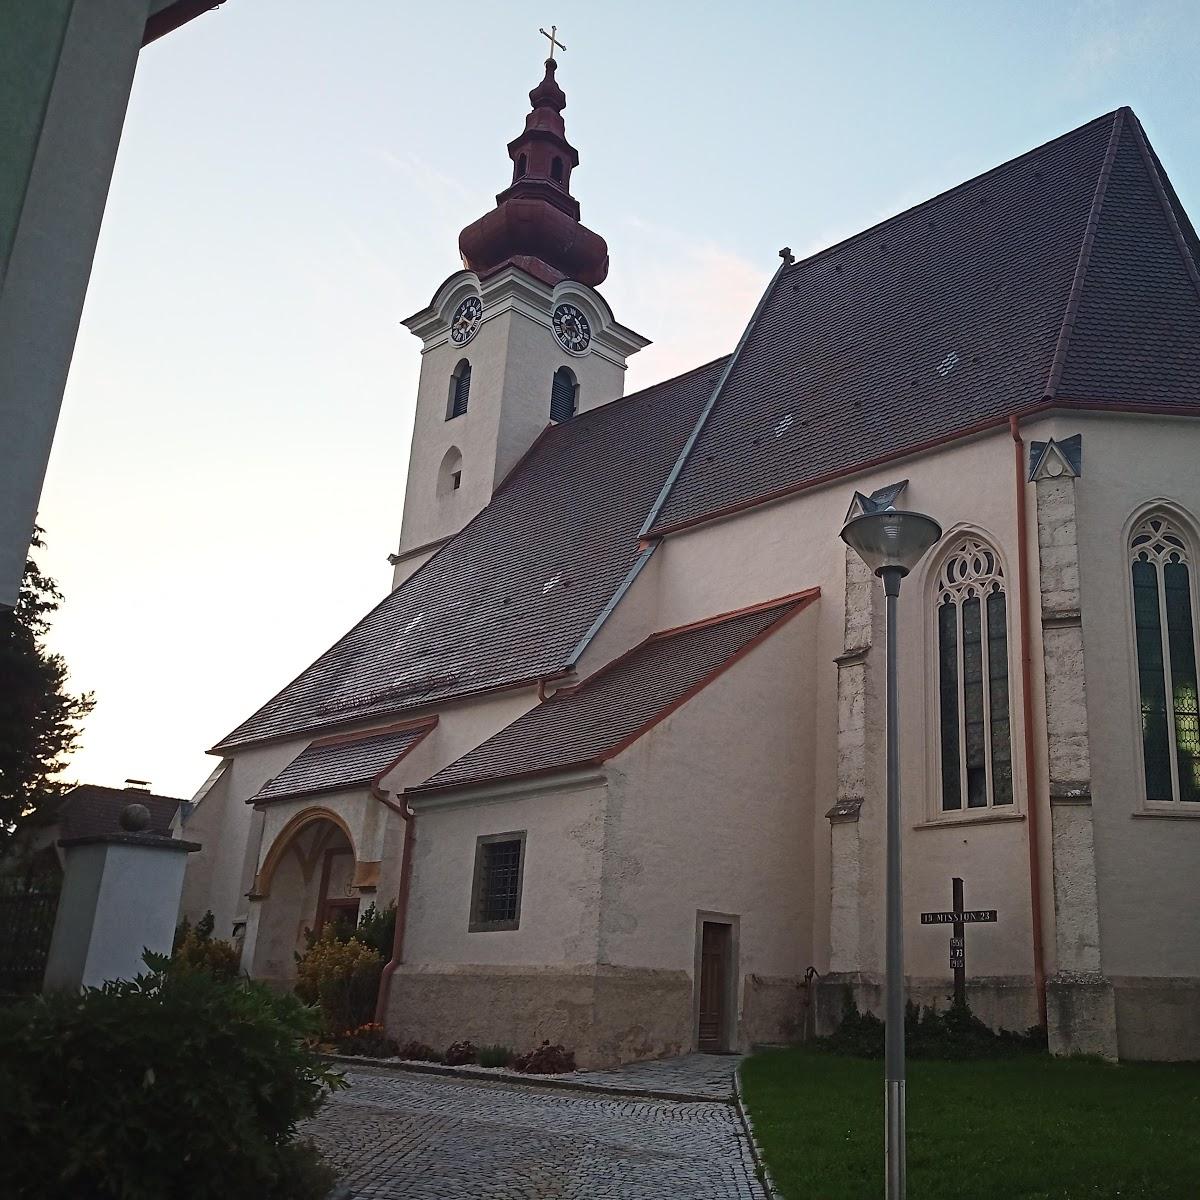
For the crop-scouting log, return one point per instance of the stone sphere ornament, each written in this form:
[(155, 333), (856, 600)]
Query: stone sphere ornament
[(135, 818)]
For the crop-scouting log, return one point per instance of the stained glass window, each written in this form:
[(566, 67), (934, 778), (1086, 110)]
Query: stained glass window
[(974, 726), (1166, 662)]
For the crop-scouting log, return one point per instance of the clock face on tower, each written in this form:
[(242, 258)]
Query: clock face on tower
[(571, 328), (465, 321)]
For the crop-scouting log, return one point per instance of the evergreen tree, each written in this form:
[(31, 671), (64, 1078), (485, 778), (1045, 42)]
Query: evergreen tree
[(39, 718)]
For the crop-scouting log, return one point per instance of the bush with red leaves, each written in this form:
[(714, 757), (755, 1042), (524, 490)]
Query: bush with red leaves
[(419, 1052), (460, 1054), (545, 1060)]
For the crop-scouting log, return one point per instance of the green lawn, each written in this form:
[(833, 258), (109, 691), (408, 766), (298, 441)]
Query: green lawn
[(1025, 1128)]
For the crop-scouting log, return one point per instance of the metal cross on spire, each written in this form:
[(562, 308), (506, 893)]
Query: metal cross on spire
[(553, 40)]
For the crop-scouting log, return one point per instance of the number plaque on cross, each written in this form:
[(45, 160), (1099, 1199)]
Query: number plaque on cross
[(959, 917)]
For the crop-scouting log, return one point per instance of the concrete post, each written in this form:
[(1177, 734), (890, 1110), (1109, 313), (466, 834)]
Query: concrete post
[(120, 897)]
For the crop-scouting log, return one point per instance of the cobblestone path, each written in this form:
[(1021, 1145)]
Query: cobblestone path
[(419, 1137)]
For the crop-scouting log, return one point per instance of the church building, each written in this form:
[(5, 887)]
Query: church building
[(613, 742)]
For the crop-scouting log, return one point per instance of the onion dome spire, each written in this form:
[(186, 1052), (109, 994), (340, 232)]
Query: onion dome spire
[(535, 224)]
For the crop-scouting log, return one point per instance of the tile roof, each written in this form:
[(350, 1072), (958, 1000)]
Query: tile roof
[(1069, 272), (511, 595), (335, 763), (90, 810), (596, 719)]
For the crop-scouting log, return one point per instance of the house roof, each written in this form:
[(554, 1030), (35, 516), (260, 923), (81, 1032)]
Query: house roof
[(509, 597), (90, 810), (335, 763), (1068, 274), (589, 723)]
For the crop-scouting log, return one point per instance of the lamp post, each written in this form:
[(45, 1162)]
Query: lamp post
[(891, 543)]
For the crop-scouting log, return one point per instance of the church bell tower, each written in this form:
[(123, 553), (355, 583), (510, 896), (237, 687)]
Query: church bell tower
[(517, 339)]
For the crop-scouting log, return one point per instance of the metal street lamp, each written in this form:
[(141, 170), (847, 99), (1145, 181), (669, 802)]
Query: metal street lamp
[(891, 543)]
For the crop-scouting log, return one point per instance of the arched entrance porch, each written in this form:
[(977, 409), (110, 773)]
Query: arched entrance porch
[(306, 881)]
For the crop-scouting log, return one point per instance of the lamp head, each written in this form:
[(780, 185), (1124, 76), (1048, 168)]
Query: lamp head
[(891, 539)]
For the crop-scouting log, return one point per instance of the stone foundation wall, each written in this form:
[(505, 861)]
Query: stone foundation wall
[(774, 1011), (1156, 1019), (608, 1015), (1001, 1002)]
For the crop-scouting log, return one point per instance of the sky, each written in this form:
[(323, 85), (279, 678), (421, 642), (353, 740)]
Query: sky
[(228, 475)]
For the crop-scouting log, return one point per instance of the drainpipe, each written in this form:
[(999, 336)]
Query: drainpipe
[(385, 980), (1023, 584)]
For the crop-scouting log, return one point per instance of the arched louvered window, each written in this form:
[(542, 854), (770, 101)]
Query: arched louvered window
[(563, 393), (973, 702), (460, 390), (1166, 660)]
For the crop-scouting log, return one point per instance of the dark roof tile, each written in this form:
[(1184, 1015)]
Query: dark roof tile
[(599, 717), (509, 597), (90, 810), (949, 316), (332, 764)]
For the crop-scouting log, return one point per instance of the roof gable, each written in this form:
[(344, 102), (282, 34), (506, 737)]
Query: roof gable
[(951, 316), (598, 718), (508, 598), (1135, 336)]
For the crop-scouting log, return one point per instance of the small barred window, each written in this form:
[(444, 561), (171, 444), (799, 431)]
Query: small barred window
[(1166, 661), (973, 701), (496, 894)]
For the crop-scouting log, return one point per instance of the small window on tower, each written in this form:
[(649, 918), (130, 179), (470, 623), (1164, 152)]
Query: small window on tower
[(556, 170), (450, 472), (564, 392), (460, 390), (520, 166)]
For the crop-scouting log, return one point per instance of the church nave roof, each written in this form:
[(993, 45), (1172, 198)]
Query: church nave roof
[(508, 598), (1067, 276)]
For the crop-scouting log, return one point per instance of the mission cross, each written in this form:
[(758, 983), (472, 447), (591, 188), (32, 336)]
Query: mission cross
[(959, 917)]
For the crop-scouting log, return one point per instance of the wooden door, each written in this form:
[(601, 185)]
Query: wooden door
[(714, 985)]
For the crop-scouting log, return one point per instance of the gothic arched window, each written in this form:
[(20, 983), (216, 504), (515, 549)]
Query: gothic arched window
[(1160, 567), (973, 704), (563, 393), (460, 390)]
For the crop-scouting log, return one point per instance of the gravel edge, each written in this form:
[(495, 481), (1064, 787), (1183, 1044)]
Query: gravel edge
[(760, 1162), (500, 1075)]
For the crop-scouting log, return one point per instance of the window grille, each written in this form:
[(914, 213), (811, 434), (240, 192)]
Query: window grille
[(499, 867), (563, 392), (1166, 661), (974, 725)]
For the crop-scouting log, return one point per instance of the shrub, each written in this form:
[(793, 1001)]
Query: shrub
[(377, 928), (419, 1052), (460, 1054), (172, 1084), (545, 1060), (950, 1034), (495, 1056), (369, 1040), (195, 948), (342, 978)]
